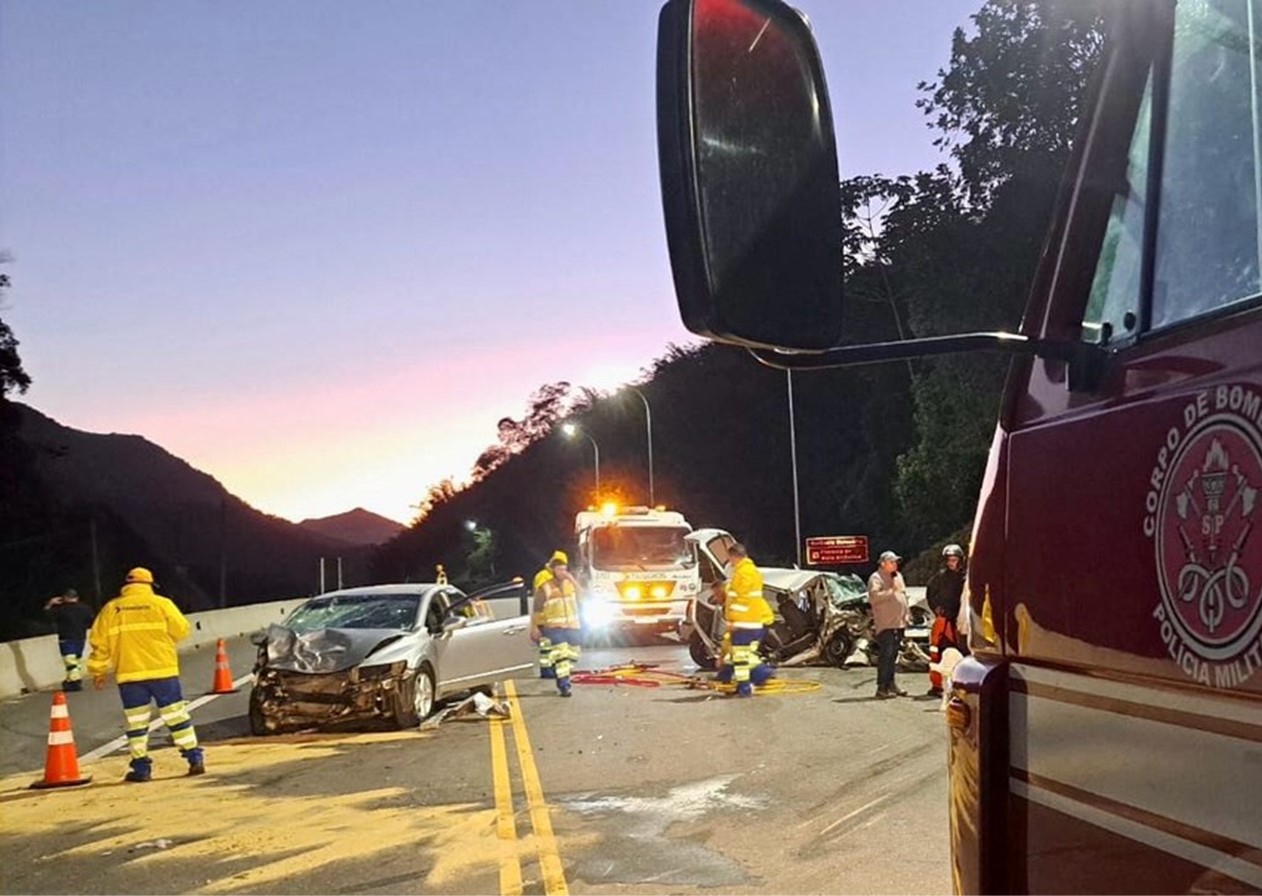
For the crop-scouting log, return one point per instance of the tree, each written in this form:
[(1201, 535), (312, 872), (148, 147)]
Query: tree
[(1009, 100), (963, 248), (13, 378)]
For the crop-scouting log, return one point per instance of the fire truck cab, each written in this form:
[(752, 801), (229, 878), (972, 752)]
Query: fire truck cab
[(1106, 735)]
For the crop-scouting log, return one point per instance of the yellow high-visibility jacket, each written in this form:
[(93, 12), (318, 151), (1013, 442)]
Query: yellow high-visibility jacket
[(135, 635), (543, 575), (560, 605), (745, 606)]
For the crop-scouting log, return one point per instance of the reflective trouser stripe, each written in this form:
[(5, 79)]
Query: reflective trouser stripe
[(744, 659), (138, 731), (545, 653), (180, 724), (563, 657), (72, 667)]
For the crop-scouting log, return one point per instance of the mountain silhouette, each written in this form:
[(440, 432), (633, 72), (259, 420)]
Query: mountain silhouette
[(356, 527), (102, 503)]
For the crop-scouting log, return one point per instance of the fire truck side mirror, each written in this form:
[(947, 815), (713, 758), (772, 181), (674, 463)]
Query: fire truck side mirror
[(748, 162)]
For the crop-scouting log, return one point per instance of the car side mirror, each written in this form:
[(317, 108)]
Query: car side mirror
[(258, 639), (750, 186), (451, 623)]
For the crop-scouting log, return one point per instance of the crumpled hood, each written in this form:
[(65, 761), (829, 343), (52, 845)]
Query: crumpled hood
[(324, 650)]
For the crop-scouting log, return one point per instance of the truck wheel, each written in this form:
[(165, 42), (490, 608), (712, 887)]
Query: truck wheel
[(700, 653), (414, 701), (838, 649)]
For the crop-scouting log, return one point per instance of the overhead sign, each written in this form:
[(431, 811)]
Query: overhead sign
[(836, 550)]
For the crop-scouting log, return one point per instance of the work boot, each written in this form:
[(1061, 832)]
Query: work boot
[(744, 689), (896, 691), (934, 692), (196, 761), (563, 687), (72, 685), (141, 771), (882, 694)]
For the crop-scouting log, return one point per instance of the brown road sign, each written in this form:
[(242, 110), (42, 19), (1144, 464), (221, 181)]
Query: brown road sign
[(835, 550)]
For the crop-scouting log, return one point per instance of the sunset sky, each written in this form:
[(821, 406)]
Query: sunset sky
[(317, 249)]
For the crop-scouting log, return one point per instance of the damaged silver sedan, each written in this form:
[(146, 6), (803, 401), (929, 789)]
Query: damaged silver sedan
[(386, 653)]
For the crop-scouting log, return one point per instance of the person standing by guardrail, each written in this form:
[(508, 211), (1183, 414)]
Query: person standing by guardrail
[(135, 636), (73, 619), (887, 594)]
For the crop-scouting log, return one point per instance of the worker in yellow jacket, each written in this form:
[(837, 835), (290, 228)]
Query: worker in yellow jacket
[(556, 619), (135, 635), (747, 615), (545, 644)]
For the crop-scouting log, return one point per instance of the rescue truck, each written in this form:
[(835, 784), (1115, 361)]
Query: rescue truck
[(636, 568), (1106, 733)]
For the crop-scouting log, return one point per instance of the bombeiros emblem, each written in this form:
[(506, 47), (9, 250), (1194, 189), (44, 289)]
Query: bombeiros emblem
[(1201, 511)]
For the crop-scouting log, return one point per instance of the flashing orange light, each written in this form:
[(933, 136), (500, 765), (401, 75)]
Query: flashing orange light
[(660, 507), (609, 508), (658, 592)]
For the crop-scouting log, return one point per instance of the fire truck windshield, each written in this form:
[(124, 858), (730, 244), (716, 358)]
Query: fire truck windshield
[(640, 547)]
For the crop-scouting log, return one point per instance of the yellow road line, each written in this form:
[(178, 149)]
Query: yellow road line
[(540, 816), (505, 823)]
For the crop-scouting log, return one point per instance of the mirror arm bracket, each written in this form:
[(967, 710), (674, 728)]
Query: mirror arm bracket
[(1086, 361)]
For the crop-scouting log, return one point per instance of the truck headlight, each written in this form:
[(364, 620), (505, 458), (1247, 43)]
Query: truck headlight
[(597, 613)]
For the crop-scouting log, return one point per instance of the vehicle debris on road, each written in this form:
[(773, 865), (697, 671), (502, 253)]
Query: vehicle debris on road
[(476, 703)]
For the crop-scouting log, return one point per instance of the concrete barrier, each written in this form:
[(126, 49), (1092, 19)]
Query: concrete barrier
[(34, 664)]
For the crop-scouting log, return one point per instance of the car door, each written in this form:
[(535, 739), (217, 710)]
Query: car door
[(479, 649), (712, 550)]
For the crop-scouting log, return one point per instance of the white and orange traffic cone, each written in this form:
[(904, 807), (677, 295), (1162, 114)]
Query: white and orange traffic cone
[(223, 675), (61, 764)]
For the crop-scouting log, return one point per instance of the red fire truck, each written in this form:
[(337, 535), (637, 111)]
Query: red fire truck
[(1106, 735)]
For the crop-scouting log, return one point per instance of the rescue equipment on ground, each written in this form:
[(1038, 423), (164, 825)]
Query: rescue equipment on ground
[(650, 675)]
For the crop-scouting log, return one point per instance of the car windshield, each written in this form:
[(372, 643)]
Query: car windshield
[(355, 611), (639, 547), (845, 589)]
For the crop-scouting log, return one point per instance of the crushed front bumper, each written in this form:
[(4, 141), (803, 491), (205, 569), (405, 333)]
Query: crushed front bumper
[(284, 701)]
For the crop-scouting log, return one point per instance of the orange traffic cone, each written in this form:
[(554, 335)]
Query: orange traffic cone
[(223, 675), (61, 765)]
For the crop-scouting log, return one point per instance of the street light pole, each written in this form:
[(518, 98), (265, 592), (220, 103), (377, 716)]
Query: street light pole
[(571, 430), (648, 428), (793, 453)]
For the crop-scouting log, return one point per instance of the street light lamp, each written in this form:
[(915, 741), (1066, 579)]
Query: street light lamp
[(648, 428), (571, 430), (471, 525)]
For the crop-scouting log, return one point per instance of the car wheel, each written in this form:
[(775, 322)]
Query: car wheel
[(415, 700), (258, 719), (700, 653), (839, 647)]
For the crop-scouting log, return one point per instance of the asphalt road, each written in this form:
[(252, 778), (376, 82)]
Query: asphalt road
[(617, 790)]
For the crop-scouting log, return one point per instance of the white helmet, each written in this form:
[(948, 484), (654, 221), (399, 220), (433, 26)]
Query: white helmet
[(953, 550)]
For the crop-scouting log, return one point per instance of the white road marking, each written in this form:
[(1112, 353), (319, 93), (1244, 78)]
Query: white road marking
[(119, 742)]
